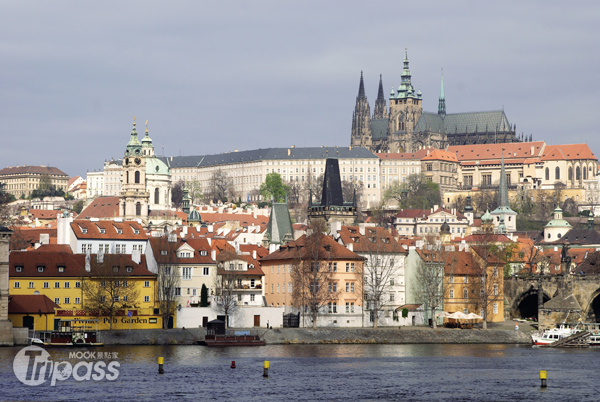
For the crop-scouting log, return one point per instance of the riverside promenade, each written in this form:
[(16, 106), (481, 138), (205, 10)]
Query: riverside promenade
[(498, 333)]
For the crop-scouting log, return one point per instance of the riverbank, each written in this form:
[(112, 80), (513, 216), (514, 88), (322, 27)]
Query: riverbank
[(284, 336)]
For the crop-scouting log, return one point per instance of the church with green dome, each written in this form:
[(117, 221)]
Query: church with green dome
[(146, 181)]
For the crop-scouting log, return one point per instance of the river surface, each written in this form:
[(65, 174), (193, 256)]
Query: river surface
[(321, 373)]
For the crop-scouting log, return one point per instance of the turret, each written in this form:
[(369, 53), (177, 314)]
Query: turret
[(442, 100)]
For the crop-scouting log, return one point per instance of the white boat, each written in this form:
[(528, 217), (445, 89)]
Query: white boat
[(554, 334)]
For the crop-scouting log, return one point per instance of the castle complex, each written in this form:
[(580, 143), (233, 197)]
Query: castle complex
[(405, 127)]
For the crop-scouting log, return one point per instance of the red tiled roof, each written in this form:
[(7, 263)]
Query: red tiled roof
[(73, 180), (455, 262), (360, 243), (513, 150), (74, 264), (31, 304), (101, 207), (161, 244), (44, 213), (30, 236), (52, 248), (568, 152), (330, 250), (110, 230)]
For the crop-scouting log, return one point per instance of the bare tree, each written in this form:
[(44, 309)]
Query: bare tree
[(195, 191), (227, 282), (168, 278), (220, 185), (429, 275), (313, 276), (381, 269), (294, 193), (106, 288)]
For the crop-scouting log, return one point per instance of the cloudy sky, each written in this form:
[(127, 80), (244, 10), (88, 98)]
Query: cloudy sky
[(212, 77)]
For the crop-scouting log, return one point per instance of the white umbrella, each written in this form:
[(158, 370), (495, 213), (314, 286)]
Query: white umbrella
[(473, 316), (443, 314), (458, 315)]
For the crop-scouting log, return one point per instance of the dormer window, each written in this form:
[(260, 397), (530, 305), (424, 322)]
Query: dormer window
[(163, 252), (84, 230), (129, 269), (102, 230), (19, 269), (119, 231), (61, 269), (115, 269), (40, 269), (203, 253)]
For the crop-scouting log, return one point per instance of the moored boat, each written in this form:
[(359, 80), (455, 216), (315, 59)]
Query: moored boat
[(554, 334), (75, 332)]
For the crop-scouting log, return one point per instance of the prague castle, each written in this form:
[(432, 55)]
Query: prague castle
[(405, 127)]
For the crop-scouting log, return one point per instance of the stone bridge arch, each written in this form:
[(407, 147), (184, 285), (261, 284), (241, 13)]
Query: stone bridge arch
[(525, 305), (591, 311)]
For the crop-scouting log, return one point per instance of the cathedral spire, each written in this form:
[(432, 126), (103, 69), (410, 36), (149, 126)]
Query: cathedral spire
[(361, 88), (380, 111), (442, 101)]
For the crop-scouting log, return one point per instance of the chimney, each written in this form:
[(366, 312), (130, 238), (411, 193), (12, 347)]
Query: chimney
[(213, 253), (532, 148), (87, 262), (184, 230), (254, 254), (289, 152), (209, 241), (555, 248), (361, 229), (210, 228), (100, 256), (136, 256), (350, 246)]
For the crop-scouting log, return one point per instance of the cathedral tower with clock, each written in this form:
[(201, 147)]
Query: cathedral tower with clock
[(146, 182), (134, 198)]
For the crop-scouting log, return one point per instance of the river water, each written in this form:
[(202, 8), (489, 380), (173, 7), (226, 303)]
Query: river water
[(322, 373)]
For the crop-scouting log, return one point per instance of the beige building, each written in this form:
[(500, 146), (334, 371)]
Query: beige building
[(106, 182), (247, 169), (22, 180)]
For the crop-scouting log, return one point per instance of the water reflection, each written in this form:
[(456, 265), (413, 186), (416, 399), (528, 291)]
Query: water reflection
[(328, 373)]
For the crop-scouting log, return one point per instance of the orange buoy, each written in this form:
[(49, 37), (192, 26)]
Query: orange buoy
[(233, 364)]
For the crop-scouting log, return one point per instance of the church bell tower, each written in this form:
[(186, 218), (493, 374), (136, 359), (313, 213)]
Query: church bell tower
[(134, 198)]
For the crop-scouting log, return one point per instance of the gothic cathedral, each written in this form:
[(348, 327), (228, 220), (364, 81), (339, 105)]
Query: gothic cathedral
[(407, 128)]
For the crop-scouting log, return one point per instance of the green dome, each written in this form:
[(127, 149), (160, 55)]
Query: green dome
[(487, 217), (194, 216), (156, 166)]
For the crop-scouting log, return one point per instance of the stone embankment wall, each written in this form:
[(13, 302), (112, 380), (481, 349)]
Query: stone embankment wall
[(393, 336), (153, 337), (284, 336)]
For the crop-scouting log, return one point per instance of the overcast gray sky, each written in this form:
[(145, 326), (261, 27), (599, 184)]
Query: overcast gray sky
[(215, 76)]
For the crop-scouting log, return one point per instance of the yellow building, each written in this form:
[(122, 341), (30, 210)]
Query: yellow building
[(67, 279)]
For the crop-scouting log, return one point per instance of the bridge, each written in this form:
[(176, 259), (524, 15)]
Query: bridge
[(522, 295)]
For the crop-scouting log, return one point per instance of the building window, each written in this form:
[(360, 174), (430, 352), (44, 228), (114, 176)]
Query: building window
[(495, 290), (465, 293), (156, 196), (146, 284), (40, 269), (290, 287), (138, 209), (495, 308), (187, 273), (252, 297), (146, 299), (177, 291), (77, 300), (67, 300), (557, 173), (205, 271), (46, 285), (57, 300), (332, 287), (451, 279), (577, 173), (349, 267), (452, 293), (391, 297), (547, 174), (56, 285), (486, 180)]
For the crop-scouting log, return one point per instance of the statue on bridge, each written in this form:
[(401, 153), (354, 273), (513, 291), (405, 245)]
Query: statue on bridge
[(565, 258)]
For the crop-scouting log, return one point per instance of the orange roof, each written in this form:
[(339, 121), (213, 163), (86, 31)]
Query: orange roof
[(437, 154), (44, 213), (455, 262), (568, 152), (101, 207), (161, 244), (512, 150)]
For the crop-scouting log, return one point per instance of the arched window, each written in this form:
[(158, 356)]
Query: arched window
[(452, 293), (156, 195), (465, 293), (557, 173), (137, 177), (547, 174), (126, 177), (124, 210), (138, 209), (584, 173), (577, 173), (570, 178)]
